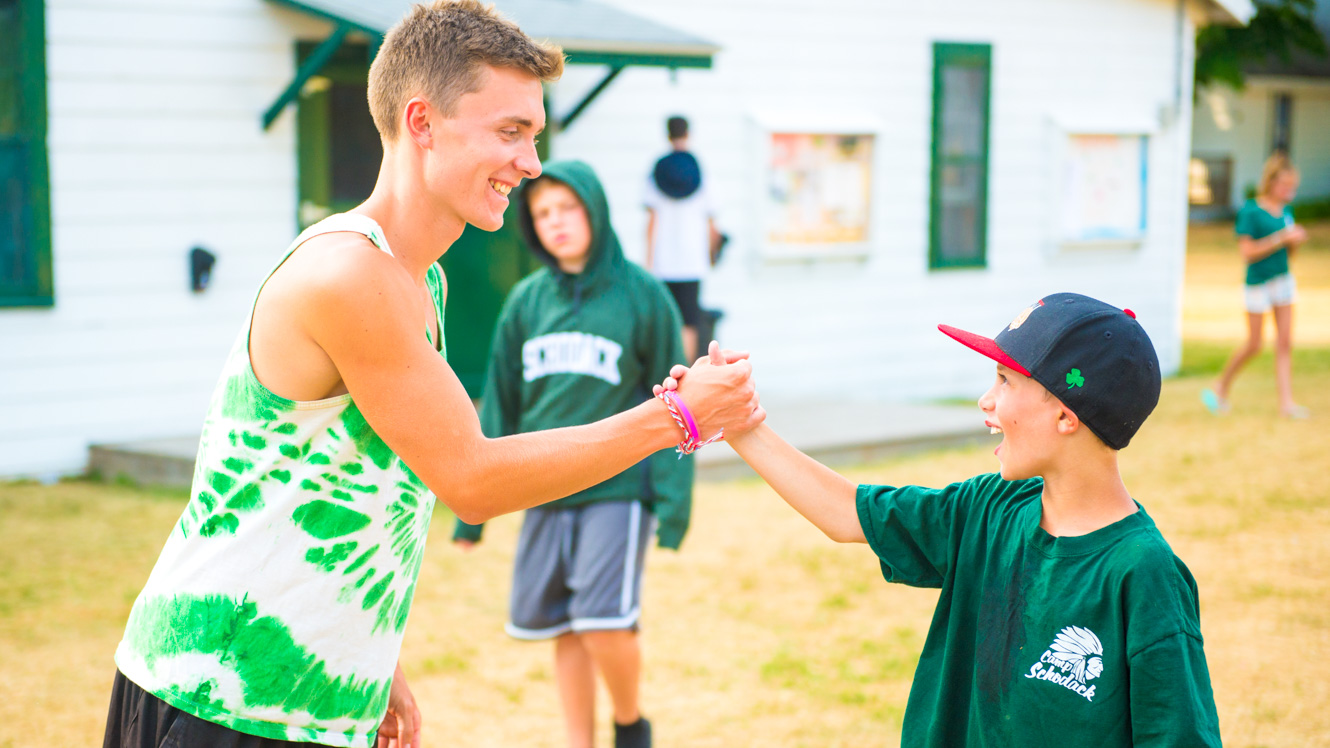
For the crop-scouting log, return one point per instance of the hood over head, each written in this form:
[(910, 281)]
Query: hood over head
[(604, 251)]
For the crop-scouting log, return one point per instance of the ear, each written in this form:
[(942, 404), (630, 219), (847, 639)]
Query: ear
[(416, 118), (1068, 423)]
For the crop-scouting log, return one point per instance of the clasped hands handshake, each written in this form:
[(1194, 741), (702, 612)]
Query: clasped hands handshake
[(719, 391)]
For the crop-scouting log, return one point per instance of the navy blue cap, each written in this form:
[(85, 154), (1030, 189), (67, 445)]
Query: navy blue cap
[(1094, 357)]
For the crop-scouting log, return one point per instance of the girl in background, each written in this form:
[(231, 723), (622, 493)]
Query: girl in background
[(1267, 236)]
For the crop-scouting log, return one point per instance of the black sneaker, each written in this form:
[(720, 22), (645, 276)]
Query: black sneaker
[(636, 735)]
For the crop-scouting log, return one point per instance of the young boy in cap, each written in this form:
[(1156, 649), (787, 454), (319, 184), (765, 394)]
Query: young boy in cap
[(581, 339), (1064, 618)]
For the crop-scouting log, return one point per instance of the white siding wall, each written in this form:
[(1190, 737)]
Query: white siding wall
[(155, 146), (1240, 125), (868, 329)]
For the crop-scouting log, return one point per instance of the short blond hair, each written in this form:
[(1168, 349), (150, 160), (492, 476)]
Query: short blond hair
[(1277, 164), (440, 50)]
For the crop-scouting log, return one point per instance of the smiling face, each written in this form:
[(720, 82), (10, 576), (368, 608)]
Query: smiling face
[(478, 156), (1028, 418), (561, 224)]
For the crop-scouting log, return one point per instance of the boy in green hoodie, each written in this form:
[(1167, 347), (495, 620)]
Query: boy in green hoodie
[(579, 340)]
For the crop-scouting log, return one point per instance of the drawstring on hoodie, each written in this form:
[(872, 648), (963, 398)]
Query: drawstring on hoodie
[(577, 294)]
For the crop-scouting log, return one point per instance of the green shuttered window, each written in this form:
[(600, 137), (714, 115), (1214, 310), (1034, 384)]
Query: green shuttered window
[(25, 203), (958, 196)]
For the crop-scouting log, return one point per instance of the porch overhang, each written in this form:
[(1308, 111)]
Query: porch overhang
[(590, 33), (1230, 12)]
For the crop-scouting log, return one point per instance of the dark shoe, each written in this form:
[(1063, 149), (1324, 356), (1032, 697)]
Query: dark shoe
[(636, 735)]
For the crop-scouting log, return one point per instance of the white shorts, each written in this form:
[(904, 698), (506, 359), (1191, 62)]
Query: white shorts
[(1278, 291)]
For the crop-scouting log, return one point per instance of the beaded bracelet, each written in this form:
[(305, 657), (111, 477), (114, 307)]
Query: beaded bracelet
[(679, 412)]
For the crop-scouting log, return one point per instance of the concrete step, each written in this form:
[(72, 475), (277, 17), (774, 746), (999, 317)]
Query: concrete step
[(155, 462), (835, 432)]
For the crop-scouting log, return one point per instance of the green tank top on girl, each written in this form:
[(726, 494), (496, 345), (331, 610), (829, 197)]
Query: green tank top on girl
[(278, 604)]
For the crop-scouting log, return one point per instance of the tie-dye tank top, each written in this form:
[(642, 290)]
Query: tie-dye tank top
[(278, 605)]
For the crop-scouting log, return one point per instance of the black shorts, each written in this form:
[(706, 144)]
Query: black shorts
[(685, 295), (137, 719)]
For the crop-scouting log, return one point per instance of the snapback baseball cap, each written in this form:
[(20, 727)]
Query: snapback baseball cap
[(1094, 357)]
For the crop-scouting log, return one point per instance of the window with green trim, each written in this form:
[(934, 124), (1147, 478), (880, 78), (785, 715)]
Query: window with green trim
[(958, 195), (338, 146), (25, 203)]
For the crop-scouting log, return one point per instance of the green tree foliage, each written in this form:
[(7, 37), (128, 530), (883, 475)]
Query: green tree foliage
[(1279, 29)]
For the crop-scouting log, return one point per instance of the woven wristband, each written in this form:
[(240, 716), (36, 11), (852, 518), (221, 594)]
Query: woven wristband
[(679, 412)]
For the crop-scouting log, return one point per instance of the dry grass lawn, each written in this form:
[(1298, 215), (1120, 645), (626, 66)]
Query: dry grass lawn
[(763, 632)]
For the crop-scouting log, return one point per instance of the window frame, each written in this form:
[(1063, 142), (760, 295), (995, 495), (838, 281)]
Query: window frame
[(39, 290), (951, 54)]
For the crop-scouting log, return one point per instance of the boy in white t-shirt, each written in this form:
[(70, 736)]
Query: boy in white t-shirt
[(680, 228)]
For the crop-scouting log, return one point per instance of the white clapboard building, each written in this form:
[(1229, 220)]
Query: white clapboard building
[(880, 166), (1284, 105)]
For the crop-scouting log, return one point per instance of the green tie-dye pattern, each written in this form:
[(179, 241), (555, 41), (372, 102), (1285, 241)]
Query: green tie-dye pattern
[(272, 668), (307, 497)]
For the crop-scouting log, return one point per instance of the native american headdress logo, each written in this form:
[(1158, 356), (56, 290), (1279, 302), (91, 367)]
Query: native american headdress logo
[(1024, 315), (1079, 651)]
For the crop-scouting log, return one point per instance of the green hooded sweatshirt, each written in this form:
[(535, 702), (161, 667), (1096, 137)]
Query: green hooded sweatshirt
[(570, 349)]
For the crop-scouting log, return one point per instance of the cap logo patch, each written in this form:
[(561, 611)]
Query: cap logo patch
[(1074, 379), (1020, 318)]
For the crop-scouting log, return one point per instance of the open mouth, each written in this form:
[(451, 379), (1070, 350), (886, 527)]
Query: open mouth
[(501, 188)]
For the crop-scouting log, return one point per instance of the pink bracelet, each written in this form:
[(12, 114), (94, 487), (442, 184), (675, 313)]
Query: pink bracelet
[(687, 417), (679, 412)]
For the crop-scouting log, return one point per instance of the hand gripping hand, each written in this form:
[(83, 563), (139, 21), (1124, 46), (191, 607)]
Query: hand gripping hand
[(719, 392)]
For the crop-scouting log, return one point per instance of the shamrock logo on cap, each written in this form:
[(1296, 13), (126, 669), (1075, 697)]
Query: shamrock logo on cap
[(1074, 379)]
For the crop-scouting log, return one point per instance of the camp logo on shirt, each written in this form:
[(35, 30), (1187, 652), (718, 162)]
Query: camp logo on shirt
[(571, 353), (1075, 657)]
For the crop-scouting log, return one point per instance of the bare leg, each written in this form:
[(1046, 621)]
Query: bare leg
[(576, 676), (689, 344), (1284, 359), (1241, 356), (618, 657)]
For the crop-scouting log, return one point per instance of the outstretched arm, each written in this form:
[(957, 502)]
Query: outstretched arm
[(364, 314), (823, 496)]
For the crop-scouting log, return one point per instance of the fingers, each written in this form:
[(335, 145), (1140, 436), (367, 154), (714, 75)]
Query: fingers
[(677, 371), (714, 354), (407, 730), (731, 356)]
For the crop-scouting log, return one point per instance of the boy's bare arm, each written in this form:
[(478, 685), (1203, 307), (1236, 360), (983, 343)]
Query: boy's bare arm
[(363, 312), (823, 496)]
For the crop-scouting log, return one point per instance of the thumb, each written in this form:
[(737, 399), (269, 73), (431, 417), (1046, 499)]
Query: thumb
[(713, 352)]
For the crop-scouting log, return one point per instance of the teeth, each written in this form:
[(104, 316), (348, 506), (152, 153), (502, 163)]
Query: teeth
[(502, 189), (994, 430)]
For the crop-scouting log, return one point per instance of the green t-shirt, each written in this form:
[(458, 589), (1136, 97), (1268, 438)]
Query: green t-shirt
[(1255, 222), (1037, 640)]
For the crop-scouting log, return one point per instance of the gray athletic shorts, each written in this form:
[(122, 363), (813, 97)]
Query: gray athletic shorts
[(579, 569)]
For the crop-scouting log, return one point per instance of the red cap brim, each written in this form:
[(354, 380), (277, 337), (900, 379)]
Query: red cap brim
[(983, 345)]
